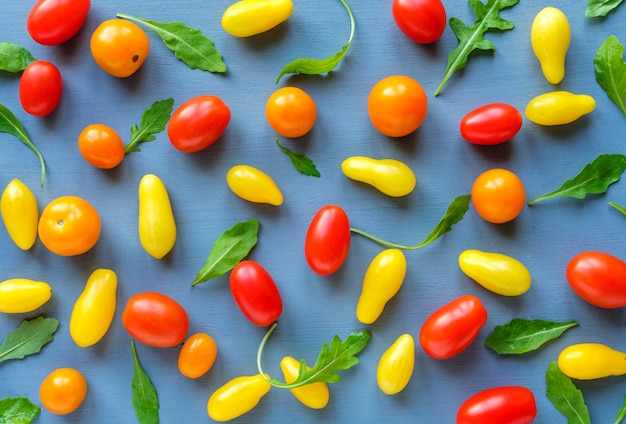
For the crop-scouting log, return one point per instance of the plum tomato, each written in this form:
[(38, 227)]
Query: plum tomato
[(197, 355), (52, 22), (599, 278), (423, 21), (63, 390), (41, 87), (119, 47), (491, 124), (498, 195), (101, 146), (397, 105), (327, 240), (502, 405), (291, 112)]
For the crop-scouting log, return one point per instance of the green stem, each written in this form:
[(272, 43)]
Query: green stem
[(384, 242), (274, 382)]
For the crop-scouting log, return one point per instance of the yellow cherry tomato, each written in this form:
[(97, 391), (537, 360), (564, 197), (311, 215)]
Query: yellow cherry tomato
[(389, 176), (550, 38), (253, 185), (119, 47), (559, 107), (251, 17), (588, 361), (20, 213), (20, 295), (237, 397), (314, 395), (197, 355), (94, 309), (157, 227), (382, 281), (496, 272), (395, 367), (63, 390)]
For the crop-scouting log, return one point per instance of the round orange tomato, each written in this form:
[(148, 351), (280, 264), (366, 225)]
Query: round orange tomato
[(197, 355), (291, 112), (69, 226), (119, 47), (101, 146), (63, 391), (397, 105), (498, 195)]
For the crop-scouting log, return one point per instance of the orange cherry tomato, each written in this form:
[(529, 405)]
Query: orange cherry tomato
[(291, 112), (101, 146), (197, 355), (498, 195), (397, 105), (119, 47), (69, 226), (63, 391)]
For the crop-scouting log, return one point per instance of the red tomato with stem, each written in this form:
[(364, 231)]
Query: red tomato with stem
[(41, 87), (499, 405), (423, 21), (198, 123), (453, 327), (101, 146), (327, 240), (256, 293), (599, 278), (491, 124), (52, 22)]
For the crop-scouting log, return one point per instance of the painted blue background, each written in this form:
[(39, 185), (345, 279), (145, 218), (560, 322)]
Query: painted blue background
[(544, 237)]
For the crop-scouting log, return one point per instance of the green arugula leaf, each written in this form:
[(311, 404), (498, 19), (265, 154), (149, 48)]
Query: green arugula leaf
[(145, 400), (594, 178), (153, 121), (9, 124), (28, 338), (300, 161), (597, 8), (621, 414), (14, 58), (471, 38), (18, 410), (610, 71), (565, 396), (229, 249), (188, 44), (310, 66), (521, 335), (620, 208)]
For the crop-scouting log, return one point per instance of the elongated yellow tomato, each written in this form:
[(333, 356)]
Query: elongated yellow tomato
[(20, 295), (395, 367), (237, 397), (251, 17), (588, 361), (559, 107), (253, 185), (20, 213), (389, 176), (381, 282), (314, 395), (94, 309), (157, 228), (550, 38), (496, 272)]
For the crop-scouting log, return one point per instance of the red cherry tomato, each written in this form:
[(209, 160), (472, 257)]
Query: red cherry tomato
[(423, 21), (155, 319), (41, 87), (327, 240), (490, 124), (499, 405), (452, 328), (52, 22), (198, 123), (255, 293), (598, 278)]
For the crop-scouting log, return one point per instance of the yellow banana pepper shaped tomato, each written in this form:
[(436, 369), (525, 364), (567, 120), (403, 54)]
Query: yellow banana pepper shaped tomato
[(237, 397), (550, 36), (20, 214), (389, 176), (157, 228), (253, 185), (381, 282), (314, 395), (395, 367), (251, 17), (559, 107), (496, 272), (588, 361), (20, 295), (94, 309)]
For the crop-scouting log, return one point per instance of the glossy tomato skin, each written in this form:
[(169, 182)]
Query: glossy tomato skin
[(499, 405), (101, 146), (291, 112), (453, 327), (599, 278), (256, 293), (63, 391), (498, 195), (491, 124), (423, 21), (198, 123), (41, 88), (327, 240), (119, 47), (52, 22), (155, 319)]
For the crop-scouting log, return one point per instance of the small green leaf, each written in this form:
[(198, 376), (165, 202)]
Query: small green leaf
[(28, 338), (521, 335), (565, 396), (621, 414), (153, 121), (597, 8), (18, 410), (14, 58), (610, 71), (300, 161), (145, 400), (620, 208), (594, 178)]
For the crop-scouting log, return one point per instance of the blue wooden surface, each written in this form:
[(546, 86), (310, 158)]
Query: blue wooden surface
[(544, 237)]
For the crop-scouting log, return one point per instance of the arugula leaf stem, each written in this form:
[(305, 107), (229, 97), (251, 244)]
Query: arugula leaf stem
[(259, 357)]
